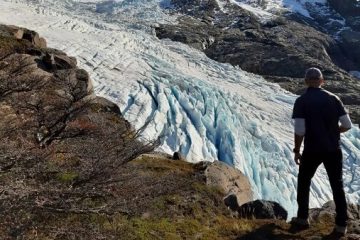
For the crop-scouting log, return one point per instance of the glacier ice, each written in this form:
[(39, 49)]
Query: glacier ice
[(204, 109)]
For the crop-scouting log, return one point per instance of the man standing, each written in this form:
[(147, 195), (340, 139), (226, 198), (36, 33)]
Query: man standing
[(317, 114)]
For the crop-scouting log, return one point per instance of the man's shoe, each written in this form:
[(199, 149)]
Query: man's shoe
[(300, 221), (339, 230), (299, 224)]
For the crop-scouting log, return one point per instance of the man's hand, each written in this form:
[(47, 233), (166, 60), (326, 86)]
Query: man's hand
[(343, 129), (298, 139), (297, 158)]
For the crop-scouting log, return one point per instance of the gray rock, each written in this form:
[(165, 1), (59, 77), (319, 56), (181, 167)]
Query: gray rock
[(64, 62), (351, 44), (10, 30), (261, 209), (106, 105), (327, 211), (17, 32), (354, 227), (42, 43), (42, 133), (34, 38), (58, 61), (346, 7), (178, 156), (231, 202)]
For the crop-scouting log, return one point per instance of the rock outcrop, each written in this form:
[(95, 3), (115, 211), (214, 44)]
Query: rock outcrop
[(25, 34), (350, 10), (327, 213), (351, 45)]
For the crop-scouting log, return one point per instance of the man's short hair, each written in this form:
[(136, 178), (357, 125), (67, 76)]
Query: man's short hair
[(313, 74)]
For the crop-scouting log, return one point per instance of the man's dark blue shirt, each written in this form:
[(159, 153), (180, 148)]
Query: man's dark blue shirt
[(321, 111)]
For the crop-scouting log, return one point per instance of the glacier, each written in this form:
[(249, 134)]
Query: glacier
[(204, 109)]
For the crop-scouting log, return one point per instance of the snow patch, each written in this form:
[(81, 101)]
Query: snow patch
[(268, 9)]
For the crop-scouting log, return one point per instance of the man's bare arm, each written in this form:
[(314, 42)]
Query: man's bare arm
[(298, 141), (345, 123)]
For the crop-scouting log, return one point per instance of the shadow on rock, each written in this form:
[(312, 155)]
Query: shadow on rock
[(266, 232)]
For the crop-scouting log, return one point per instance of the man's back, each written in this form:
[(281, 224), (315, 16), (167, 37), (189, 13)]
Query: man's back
[(321, 111), (317, 114)]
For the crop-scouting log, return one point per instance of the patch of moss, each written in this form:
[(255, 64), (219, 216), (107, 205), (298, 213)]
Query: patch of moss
[(59, 158), (174, 199), (97, 108), (209, 190), (92, 202), (181, 228), (11, 45), (67, 177), (163, 203), (161, 164), (227, 226), (62, 159), (116, 119), (154, 229)]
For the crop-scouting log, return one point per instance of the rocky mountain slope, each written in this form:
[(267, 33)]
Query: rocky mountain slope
[(279, 46), (71, 167)]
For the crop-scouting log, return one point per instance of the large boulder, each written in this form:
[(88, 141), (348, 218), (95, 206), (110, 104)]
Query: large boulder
[(17, 32), (9, 30), (59, 61), (34, 38), (230, 180), (261, 209)]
